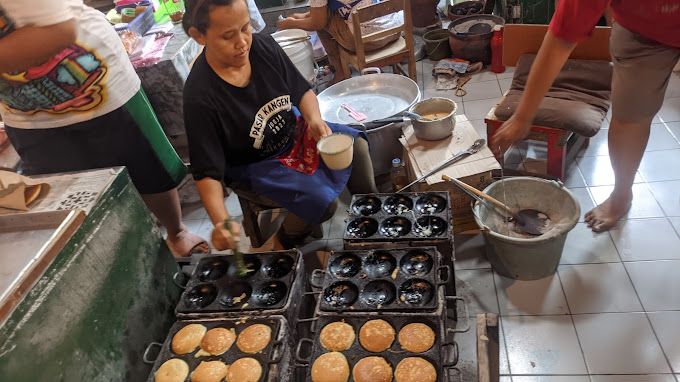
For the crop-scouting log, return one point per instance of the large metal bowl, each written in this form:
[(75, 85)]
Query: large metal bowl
[(379, 96)]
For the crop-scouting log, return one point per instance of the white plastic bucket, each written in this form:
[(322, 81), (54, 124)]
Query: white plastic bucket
[(300, 53)]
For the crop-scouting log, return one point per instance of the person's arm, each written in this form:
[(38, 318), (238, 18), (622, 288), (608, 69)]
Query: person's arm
[(309, 108), (572, 22), (207, 156), (550, 59), (33, 45), (212, 196), (314, 20)]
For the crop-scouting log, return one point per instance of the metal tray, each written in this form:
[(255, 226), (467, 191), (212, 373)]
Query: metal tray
[(442, 355), (213, 285), (370, 215), (269, 357), (379, 96), (359, 272)]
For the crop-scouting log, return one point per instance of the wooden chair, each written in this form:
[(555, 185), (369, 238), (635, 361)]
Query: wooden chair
[(563, 145), (392, 54)]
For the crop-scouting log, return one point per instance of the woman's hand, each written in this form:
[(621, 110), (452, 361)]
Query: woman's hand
[(226, 235), (287, 23), (512, 130), (318, 129)]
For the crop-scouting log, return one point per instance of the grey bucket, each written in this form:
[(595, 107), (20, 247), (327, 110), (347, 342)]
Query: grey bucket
[(534, 257)]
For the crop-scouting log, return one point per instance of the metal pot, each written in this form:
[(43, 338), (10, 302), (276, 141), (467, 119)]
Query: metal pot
[(440, 127)]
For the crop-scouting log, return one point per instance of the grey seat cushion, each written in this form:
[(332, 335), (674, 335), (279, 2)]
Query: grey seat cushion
[(577, 101)]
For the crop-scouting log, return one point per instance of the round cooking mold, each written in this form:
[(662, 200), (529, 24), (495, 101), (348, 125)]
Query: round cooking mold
[(430, 204), (429, 226), (201, 295), (345, 265), (235, 293), (269, 293), (252, 263), (416, 292), (362, 227), (397, 204), (278, 266), (341, 294), (379, 264), (416, 262), (378, 292), (368, 205), (395, 226), (212, 269)]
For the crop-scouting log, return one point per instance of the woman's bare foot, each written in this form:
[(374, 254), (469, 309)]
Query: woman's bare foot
[(184, 243), (606, 215)]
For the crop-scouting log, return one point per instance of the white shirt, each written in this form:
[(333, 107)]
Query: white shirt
[(86, 80), (371, 26)]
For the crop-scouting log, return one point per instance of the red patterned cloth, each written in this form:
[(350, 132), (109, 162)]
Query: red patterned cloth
[(303, 157)]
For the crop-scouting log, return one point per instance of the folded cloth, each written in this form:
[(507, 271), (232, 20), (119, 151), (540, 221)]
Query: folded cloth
[(446, 82), (451, 66), (17, 192)]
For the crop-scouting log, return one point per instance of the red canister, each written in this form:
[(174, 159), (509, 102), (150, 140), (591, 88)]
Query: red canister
[(497, 50)]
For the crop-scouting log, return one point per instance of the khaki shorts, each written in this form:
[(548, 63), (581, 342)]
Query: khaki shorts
[(642, 68)]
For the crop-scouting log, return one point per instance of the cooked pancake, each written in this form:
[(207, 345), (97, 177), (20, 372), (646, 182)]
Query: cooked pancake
[(330, 367), (372, 369), (416, 337), (376, 335), (172, 370), (216, 341), (187, 339), (337, 336), (244, 370), (254, 338), (415, 369), (209, 371)]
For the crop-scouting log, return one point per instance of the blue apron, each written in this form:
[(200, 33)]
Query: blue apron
[(304, 194)]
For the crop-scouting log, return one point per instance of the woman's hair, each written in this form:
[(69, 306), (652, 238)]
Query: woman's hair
[(197, 13)]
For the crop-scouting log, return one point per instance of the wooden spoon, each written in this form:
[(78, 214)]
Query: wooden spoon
[(527, 220)]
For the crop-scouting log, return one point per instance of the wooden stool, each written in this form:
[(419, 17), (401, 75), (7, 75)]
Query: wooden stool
[(563, 145), (251, 224)]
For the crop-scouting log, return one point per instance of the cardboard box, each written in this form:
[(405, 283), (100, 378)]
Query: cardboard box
[(476, 170)]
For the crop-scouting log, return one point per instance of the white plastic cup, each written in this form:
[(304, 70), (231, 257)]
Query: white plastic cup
[(336, 150)]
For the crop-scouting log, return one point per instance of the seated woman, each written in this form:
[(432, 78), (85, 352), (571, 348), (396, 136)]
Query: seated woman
[(252, 121), (333, 22)]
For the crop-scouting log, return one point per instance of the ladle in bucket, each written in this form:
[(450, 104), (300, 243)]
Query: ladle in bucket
[(528, 221)]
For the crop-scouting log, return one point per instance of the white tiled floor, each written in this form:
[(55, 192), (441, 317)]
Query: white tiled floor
[(612, 311)]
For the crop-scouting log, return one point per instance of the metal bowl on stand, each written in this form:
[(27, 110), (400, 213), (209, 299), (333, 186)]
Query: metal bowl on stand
[(378, 96)]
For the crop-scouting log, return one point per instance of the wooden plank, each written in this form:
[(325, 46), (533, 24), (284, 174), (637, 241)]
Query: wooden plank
[(487, 348), (66, 224), (519, 39)]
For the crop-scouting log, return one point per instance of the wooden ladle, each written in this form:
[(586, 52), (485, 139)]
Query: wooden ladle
[(529, 221)]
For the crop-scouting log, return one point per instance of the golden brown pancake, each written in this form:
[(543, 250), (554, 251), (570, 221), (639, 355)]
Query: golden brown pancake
[(172, 370), (415, 369), (187, 339), (372, 369), (376, 335), (337, 336), (330, 367), (217, 341), (244, 370), (209, 371), (254, 338), (416, 337)]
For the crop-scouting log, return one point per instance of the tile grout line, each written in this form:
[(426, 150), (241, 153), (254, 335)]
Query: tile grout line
[(649, 321), (573, 323), (505, 342)]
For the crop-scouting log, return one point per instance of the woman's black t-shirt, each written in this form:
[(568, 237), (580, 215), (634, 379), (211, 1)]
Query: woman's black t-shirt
[(231, 126)]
